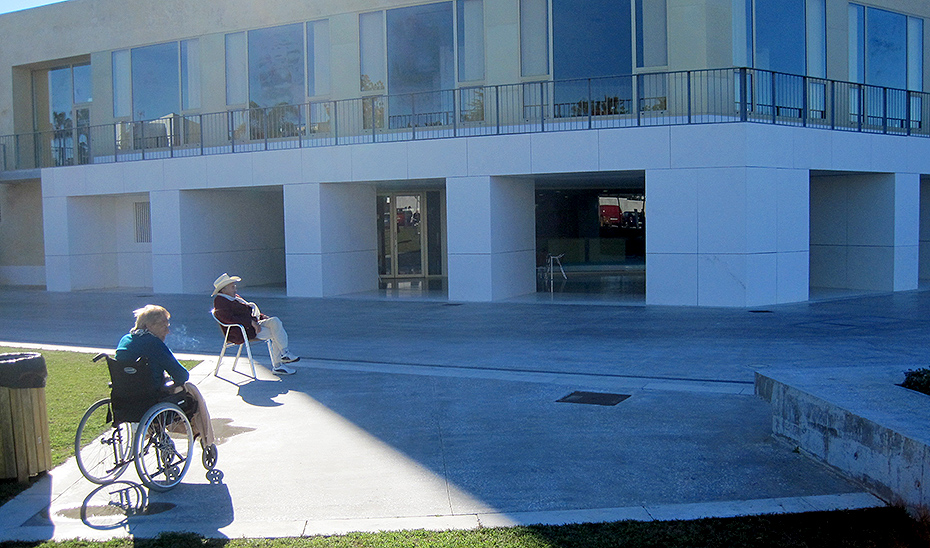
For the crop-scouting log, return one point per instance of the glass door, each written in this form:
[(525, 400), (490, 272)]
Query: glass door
[(401, 234)]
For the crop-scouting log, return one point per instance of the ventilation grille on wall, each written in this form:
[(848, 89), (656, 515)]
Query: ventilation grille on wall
[(143, 223)]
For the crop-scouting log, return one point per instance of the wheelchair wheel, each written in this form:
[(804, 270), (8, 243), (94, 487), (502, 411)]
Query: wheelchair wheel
[(102, 450), (163, 446), (210, 454)]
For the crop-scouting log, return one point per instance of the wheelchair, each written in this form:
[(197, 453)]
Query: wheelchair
[(139, 423)]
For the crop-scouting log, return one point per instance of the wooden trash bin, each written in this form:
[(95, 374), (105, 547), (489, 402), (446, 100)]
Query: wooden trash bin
[(25, 448)]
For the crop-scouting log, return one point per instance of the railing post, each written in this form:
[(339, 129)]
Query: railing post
[(336, 122), (744, 95), (456, 100), (590, 105), (142, 131), (907, 113), (884, 110), (637, 90), (200, 121), (774, 102), (231, 128), (413, 115), (688, 93), (804, 82), (497, 107), (171, 134), (832, 104), (860, 96), (542, 107)]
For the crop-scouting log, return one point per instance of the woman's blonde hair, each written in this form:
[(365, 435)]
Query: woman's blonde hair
[(149, 315)]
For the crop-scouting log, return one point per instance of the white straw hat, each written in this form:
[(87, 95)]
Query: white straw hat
[(223, 281)]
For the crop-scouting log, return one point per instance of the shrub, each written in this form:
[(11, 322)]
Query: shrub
[(918, 380)]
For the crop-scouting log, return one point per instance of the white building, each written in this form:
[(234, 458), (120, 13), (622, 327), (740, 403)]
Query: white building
[(338, 146)]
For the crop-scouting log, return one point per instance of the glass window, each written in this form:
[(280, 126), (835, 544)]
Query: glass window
[(857, 43), (470, 33), (60, 95), (237, 69), (742, 33), (886, 48), (276, 66), (915, 54), (318, 58), (82, 84), (155, 86), (190, 74), (419, 46), (780, 36), (651, 33), (816, 39), (122, 84), (371, 47), (591, 39), (534, 37)]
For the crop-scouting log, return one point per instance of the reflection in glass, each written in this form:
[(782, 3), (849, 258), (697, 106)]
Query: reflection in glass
[(276, 66), (190, 74), (237, 69), (592, 230), (60, 98), (651, 33), (122, 84), (82, 84), (155, 86), (534, 37), (470, 16), (886, 48), (420, 59), (857, 43), (318, 58), (371, 49), (780, 36)]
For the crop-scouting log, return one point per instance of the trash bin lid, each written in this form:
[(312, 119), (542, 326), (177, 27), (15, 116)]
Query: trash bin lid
[(23, 370)]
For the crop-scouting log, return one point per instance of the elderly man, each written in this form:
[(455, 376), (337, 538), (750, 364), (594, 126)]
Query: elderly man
[(231, 308)]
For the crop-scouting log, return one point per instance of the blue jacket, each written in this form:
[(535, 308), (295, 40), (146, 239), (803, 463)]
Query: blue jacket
[(161, 360)]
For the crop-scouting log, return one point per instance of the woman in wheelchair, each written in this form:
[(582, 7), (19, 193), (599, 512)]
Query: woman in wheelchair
[(147, 339)]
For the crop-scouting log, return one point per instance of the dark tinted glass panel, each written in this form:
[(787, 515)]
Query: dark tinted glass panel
[(886, 63), (780, 36), (591, 38), (420, 59)]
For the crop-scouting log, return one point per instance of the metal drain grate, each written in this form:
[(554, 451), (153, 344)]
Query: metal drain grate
[(594, 398)]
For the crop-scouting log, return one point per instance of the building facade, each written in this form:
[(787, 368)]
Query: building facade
[(335, 146)]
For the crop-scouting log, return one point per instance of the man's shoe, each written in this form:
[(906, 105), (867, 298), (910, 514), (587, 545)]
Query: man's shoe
[(282, 369), (287, 357)]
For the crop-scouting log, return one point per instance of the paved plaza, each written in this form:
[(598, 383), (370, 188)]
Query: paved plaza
[(418, 413)]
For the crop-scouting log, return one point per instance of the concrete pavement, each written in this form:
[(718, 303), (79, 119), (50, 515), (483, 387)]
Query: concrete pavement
[(432, 414)]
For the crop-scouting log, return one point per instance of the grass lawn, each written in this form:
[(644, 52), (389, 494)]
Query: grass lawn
[(74, 382)]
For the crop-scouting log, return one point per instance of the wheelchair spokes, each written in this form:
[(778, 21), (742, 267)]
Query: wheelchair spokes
[(102, 450), (163, 447)]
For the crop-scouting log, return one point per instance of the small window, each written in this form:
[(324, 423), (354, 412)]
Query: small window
[(143, 223)]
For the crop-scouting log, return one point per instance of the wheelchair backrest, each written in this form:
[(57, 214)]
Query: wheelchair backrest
[(133, 389)]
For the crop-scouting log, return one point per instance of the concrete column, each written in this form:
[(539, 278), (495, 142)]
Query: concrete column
[(864, 231), (491, 228), (165, 207), (330, 239), (726, 236)]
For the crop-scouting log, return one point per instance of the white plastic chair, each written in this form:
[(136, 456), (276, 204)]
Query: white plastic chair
[(247, 344)]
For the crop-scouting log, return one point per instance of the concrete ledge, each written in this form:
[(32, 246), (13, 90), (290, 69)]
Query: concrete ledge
[(858, 421)]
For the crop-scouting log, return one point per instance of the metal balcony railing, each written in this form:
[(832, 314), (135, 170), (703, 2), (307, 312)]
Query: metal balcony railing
[(653, 99)]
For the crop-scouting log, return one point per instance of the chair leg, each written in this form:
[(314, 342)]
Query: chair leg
[(248, 349), (216, 372), (235, 361)]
